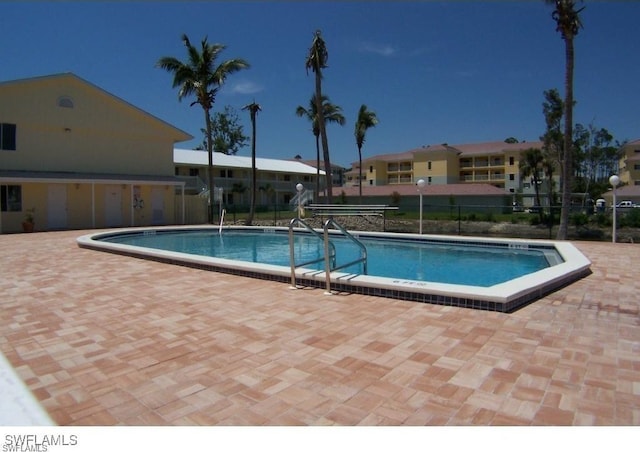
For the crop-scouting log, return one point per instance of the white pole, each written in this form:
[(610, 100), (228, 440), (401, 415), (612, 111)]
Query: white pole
[(614, 181), (182, 198), (93, 205), (420, 185), (299, 188)]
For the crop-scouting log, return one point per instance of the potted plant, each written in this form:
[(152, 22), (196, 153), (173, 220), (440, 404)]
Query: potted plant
[(28, 223)]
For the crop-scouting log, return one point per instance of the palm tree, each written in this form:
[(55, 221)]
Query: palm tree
[(568, 24), (199, 76), (366, 119), (530, 166), (316, 61), (332, 113), (253, 111)]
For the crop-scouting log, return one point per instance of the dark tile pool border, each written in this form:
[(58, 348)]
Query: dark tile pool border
[(311, 279)]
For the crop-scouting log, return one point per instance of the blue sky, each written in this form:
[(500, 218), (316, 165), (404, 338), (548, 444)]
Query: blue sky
[(434, 72)]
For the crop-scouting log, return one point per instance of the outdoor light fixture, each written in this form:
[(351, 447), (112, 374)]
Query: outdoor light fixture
[(420, 184), (614, 181)]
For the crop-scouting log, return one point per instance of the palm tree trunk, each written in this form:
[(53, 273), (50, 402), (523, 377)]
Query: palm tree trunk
[(567, 169), (323, 136), (536, 188), (210, 165), (252, 207), (360, 173), (318, 166)]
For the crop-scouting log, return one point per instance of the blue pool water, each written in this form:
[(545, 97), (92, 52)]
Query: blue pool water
[(391, 258)]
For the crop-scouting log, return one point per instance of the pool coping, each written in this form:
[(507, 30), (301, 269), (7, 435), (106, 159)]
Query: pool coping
[(504, 297)]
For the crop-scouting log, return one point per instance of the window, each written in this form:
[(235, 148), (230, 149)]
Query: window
[(512, 177), (11, 198), (636, 166), (194, 172), (511, 161), (65, 102), (429, 180), (7, 137), (226, 173), (287, 177), (429, 165), (371, 169)]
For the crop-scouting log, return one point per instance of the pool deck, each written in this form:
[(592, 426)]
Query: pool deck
[(105, 339)]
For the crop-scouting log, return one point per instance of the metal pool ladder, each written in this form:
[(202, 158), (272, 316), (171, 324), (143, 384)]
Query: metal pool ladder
[(347, 234), (329, 257), (331, 254)]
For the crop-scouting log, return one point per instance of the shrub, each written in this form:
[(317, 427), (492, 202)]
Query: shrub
[(602, 220), (631, 219), (579, 219)]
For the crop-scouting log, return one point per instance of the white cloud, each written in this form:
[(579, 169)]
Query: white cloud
[(385, 50), (246, 87)]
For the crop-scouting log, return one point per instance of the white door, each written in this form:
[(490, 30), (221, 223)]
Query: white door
[(57, 206), (157, 206), (113, 206)]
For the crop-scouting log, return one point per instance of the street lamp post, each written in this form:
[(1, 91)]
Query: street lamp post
[(420, 185), (299, 187), (614, 181)]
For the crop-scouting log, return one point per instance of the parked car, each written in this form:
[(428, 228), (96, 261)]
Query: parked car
[(626, 205), (517, 207)]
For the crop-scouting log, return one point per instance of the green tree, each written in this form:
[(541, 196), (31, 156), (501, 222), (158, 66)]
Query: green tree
[(253, 111), (567, 19), (597, 159), (366, 120), (531, 166), (317, 61), (200, 77), (227, 132), (553, 141), (332, 113)]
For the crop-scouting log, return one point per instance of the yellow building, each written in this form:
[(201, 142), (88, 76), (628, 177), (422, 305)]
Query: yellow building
[(77, 156), (495, 163), (630, 163)]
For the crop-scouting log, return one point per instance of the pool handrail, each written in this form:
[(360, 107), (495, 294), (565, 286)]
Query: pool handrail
[(347, 234), (326, 257)]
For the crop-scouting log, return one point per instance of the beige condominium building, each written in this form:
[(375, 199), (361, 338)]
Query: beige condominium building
[(492, 163), (629, 172), (630, 163)]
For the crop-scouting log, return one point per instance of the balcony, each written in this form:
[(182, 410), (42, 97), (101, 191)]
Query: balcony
[(403, 166)]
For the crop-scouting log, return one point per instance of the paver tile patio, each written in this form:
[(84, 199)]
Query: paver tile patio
[(104, 339)]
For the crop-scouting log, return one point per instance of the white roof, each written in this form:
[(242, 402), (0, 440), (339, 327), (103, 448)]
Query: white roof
[(201, 158)]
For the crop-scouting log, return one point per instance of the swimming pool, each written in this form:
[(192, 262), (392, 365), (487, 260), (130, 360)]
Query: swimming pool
[(498, 274)]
